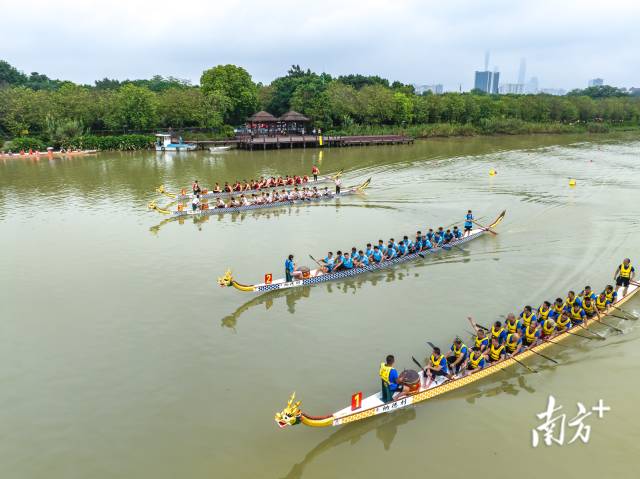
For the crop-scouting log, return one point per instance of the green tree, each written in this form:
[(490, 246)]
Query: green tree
[(133, 108), (9, 75), (231, 88)]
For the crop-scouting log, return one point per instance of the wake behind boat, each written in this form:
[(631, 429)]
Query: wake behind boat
[(379, 260), (255, 202), (573, 320)]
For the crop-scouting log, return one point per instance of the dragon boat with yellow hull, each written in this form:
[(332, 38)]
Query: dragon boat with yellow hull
[(373, 405), (207, 194), (317, 276), (206, 209)]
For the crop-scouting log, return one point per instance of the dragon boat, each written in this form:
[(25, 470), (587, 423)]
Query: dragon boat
[(206, 209), (206, 194), (316, 276), (363, 408)]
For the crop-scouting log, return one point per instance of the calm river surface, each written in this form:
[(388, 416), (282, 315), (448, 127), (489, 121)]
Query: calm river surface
[(120, 357)]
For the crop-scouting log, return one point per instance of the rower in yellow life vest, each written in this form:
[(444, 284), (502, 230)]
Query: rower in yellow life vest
[(572, 299), (623, 275), (563, 322), (612, 296), (457, 355), (531, 333), (498, 332), (436, 366), (557, 308), (476, 360), (548, 328), (513, 343), (577, 314), (602, 303), (496, 350), (526, 316), (544, 311), (589, 307), (390, 381), (512, 325), (481, 340)]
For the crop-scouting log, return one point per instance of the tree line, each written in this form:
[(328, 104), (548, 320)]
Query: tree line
[(56, 110)]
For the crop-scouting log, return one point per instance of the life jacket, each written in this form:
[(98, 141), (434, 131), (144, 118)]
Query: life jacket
[(479, 342), (495, 353), (546, 329), (458, 351), (625, 272), (526, 320), (512, 327), (543, 314), (562, 325), (575, 315), (609, 295), (601, 305), (588, 309), (558, 309), (498, 333), (570, 303), (385, 371), (530, 335), (437, 361), (475, 361), (511, 345)]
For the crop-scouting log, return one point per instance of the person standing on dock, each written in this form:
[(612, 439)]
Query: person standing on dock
[(338, 183), (315, 171)]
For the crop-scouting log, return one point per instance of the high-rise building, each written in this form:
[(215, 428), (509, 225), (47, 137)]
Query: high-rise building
[(532, 86), (486, 80), (511, 89), (596, 82), (495, 81), (436, 89), (522, 72)]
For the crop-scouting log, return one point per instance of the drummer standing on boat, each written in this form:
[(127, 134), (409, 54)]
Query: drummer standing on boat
[(623, 275), (338, 183), (390, 381), (315, 171), (290, 270)]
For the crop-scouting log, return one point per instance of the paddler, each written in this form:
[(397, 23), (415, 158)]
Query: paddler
[(571, 300), (437, 366), (577, 314), (457, 355), (481, 340), (587, 292), (468, 223), (476, 360), (563, 322), (195, 202), (602, 303), (457, 234), (544, 311), (390, 381), (290, 270), (195, 187), (557, 308), (216, 188), (526, 316), (589, 308), (531, 333), (328, 263), (512, 324), (623, 275), (548, 328), (338, 182), (498, 331), (315, 171), (496, 350), (513, 343), (612, 296), (363, 260)]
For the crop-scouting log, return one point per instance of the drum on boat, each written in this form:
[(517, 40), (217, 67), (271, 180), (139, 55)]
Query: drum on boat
[(411, 379), (306, 272)]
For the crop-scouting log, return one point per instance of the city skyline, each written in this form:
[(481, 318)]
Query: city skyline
[(87, 41)]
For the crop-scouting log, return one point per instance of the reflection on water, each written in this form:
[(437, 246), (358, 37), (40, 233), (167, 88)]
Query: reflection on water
[(385, 426)]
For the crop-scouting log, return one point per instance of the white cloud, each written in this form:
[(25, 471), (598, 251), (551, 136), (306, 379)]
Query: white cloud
[(564, 43)]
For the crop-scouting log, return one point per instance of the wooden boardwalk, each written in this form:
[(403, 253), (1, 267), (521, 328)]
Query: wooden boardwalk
[(305, 141)]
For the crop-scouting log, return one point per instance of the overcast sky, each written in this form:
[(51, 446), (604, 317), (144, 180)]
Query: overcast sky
[(564, 42)]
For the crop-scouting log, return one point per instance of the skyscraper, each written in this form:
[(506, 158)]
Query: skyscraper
[(522, 72), (487, 81), (596, 82)]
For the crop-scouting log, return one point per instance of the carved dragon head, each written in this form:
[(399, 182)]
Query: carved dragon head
[(226, 280), (290, 415)]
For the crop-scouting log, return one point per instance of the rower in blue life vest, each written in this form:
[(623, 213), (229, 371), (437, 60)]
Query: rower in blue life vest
[(339, 260), (430, 234), (369, 251), (457, 355), (402, 249), (290, 269), (382, 247), (448, 236), (377, 256), (362, 261), (328, 263), (623, 275), (436, 366), (408, 244), (457, 234), (390, 380), (468, 223), (347, 262)]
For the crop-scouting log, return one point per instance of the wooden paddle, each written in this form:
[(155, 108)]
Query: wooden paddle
[(316, 261), (612, 327), (631, 315), (542, 355), (486, 228), (422, 368)]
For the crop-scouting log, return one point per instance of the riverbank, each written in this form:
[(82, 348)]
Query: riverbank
[(486, 127)]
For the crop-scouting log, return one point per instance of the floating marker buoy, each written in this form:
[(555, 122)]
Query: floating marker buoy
[(492, 172), (572, 182)]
